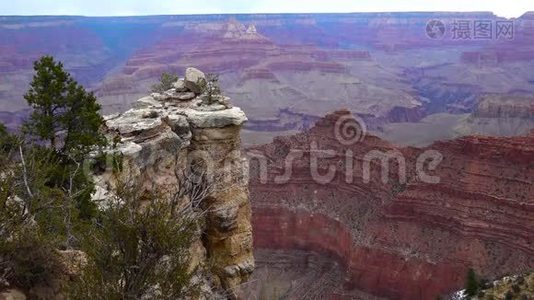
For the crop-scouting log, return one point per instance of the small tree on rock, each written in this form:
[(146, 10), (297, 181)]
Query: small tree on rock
[(165, 83), (65, 118), (211, 89), (471, 284)]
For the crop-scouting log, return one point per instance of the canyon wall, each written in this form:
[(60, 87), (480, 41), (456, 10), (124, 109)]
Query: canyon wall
[(500, 115), (381, 65), (396, 238)]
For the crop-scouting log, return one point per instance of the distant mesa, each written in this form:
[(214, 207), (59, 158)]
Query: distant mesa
[(238, 31), (500, 115)]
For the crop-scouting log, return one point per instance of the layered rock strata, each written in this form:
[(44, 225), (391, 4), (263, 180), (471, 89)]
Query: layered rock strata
[(396, 238), (161, 136), (500, 115)]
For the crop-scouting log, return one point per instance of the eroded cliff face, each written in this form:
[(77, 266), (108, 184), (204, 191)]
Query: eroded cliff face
[(158, 140), (396, 239), (500, 115)]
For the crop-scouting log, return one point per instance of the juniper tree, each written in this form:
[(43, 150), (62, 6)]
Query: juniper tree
[(64, 114)]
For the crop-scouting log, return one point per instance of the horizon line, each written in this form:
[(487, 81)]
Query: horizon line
[(267, 13)]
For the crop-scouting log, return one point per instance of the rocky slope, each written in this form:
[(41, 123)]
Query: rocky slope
[(396, 238), (160, 138), (510, 287)]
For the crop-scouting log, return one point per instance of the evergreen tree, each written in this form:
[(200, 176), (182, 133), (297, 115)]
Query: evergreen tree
[(63, 112), (47, 98), (471, 283), (8, 142), (66, 118), (82, 121)]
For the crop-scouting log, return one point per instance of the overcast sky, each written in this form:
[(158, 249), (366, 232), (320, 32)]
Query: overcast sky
[(506, 8)]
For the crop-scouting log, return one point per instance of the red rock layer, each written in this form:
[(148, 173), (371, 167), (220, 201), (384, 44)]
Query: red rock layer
[(401, 241), (371, 270)]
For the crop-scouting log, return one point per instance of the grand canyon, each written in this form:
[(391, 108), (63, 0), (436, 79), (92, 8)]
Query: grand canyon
[(462, 109), (286, 71), (400, 238)]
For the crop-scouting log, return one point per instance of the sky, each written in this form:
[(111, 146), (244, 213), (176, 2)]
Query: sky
[(504, 8)]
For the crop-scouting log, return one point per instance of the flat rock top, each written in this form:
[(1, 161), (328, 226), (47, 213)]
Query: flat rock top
[(177, 110), (151, 117), (141, 119), (214, 119), (141, 127)]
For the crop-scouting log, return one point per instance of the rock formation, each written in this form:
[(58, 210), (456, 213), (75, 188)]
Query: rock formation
[(238, 31), (395, 239), (374, 62), (160, 137), (519, 286), (500, 115)]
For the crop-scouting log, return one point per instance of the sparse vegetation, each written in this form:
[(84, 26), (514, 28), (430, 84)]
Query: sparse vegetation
[(137, 245), (510, 287), (31, 220), (471, 284), (211, 89), (64, 114), (165, 83), (138, 249)]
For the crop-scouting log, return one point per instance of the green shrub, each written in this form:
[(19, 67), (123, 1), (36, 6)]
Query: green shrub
[(211, 89), (165, 83), (8, 142), (29, 260), (138, 248), (509, 296), (471, 283)]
